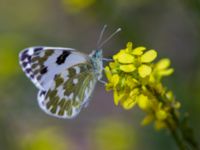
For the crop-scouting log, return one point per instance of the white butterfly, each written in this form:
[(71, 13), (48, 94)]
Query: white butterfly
[(65, 77)]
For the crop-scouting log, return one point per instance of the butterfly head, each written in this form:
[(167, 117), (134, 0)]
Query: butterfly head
[(97, 55), (96, 59)]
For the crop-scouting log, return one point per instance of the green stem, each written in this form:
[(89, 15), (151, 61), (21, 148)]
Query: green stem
[(184, 130), (176, 137), (178, 129)]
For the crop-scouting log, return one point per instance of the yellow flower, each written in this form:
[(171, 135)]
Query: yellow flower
[(143, 102), (161, 69), (115, 79), (118, 96), (113, 65), (129, 46), (108, 73), (138, 50), (147, 120), (136, 80), (163, 64), (129, 60), (131, 99), (124, 57), (149, 56), (128, 103), (177, 105), (127, 68), (170, 96), (131, 82), (144, 71), (75, 6), (161, 114)]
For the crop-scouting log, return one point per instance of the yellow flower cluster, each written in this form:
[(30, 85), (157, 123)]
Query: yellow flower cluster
[(135, 80), (76, 6)]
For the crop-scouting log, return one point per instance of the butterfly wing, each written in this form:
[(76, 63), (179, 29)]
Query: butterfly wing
[(65, 78), (69, 92), (41, 64)]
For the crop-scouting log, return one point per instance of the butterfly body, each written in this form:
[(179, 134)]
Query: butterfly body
[(65, 77), (96, 57)]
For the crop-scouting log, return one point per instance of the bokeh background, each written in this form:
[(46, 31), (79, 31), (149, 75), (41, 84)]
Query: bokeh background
[(170, 26)]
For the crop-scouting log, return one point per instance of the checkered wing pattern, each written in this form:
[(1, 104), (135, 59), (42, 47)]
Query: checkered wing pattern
[(41, 64), (69, 92), (65, 78)]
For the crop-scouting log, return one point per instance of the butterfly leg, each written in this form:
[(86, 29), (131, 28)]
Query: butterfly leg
[(102, 81), (107, 59)]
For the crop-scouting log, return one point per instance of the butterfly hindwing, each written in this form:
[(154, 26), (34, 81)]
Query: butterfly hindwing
[(42, 63), (69, 92)]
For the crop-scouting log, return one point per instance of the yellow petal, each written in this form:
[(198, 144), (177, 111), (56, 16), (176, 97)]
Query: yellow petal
[(166, 72), (108, 73), (109, 86), (144, 71), (127, 68), (143, 102), (115, 57), (117, 97), (170, 96), (134, 92), (149, 56), (115, 79), (129, 46), (161, 115), (161, 89), (125, 58), (147, 120), (163, 64), (112, 65), (129, 103), (76, 6), (131, 82), (152, 78), (177, 105), (138, 50)]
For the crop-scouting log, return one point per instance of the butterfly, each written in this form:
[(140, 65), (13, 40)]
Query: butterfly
[(65, 77)]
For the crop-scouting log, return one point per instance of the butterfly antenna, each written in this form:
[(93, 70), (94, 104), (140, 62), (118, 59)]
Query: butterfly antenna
[(101, 35), (110, 37)]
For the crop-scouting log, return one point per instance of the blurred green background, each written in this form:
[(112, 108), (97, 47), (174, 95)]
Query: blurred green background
[(170, 26)]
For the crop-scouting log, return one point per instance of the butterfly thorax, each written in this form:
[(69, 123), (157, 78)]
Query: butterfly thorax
[(96, 59)]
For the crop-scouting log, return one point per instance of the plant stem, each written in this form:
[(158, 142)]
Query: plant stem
[(180, 131), (176, 136)]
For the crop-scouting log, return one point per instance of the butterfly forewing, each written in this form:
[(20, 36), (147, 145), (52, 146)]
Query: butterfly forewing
[(69, 92), (42, 63)]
